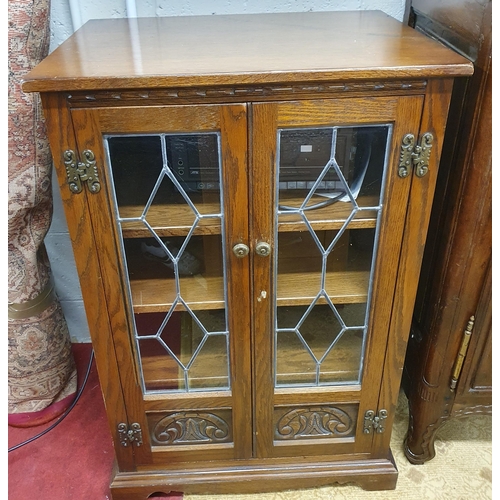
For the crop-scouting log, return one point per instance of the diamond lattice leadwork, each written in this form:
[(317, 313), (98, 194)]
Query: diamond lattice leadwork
[(321, 332), (172, 214)]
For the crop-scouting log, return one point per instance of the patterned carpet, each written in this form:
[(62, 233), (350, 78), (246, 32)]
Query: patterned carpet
[(461, 470)]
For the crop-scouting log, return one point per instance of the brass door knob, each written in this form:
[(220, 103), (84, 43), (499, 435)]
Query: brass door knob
[(240, 250), (263, 249)]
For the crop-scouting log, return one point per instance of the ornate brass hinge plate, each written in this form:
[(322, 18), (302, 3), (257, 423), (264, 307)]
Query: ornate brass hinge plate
[(130, 434), (459, 362), (84, 171), (417, 155), (375, 421)]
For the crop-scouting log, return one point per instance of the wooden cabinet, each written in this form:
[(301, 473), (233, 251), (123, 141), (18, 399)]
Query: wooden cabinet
[(248, 198), (443, 377)]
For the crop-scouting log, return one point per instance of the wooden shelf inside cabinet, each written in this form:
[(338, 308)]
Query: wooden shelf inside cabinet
[(177, 220), (202, 292), (157, 295), (169, 220), (348, 287), (161, 371), (331, 216)]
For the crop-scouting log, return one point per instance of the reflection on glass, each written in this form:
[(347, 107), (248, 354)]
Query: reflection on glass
[(183, 351), (329, 199), (169, 209), (318, 167), (320, 344)]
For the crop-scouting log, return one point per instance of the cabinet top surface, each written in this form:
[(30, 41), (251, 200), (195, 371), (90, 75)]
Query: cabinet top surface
[(241, 49)]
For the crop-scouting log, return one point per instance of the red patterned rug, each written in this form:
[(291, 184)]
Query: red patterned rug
[(74, 460)]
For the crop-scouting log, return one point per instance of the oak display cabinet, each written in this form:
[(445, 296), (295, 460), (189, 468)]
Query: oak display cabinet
[(247, 198)]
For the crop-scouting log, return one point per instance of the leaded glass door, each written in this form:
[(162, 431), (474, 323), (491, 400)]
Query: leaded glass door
[(180, 296), (334, 237)]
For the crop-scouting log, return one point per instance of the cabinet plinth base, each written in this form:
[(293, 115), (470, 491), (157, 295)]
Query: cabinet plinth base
[(376, 474)]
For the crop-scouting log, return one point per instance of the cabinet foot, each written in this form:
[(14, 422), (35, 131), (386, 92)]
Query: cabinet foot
[(426, 452)]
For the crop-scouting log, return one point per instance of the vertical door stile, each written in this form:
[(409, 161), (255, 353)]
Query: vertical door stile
[(61, 135), (89, 136), (235, 180), (262, 230), (407, 117)]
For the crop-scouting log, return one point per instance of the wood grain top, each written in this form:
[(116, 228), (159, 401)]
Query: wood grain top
[(242, 49)]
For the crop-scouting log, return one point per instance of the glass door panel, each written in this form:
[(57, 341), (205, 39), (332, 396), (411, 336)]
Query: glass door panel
[(169, 207), (178, 299), (329, 200), (336, 231)]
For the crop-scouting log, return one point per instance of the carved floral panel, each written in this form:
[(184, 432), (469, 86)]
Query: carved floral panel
[(315, 422), (191, 427)]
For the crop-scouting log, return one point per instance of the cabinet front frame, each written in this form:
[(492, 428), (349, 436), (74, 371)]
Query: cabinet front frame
[(127, 401)]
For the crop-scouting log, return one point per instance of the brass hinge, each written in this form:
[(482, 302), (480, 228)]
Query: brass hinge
[(459, 362), (81, 171), (417, 155), (130, 434), (375, 421)]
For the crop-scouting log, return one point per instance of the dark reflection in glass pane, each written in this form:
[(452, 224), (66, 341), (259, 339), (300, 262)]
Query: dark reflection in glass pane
[(136, 163), (148, 259), (160, 369), (352, 314), (288, 317), (298, 253), (323, 155), (367, 176), (213, 320), (319, 345), (361, 246), (183, 350)]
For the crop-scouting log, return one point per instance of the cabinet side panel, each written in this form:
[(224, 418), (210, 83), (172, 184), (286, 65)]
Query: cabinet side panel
[(407, 114), (434, 117), (62, 138)]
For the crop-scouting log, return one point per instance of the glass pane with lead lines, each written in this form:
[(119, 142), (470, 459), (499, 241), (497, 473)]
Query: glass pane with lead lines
[(169, 208), (329, 192)]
